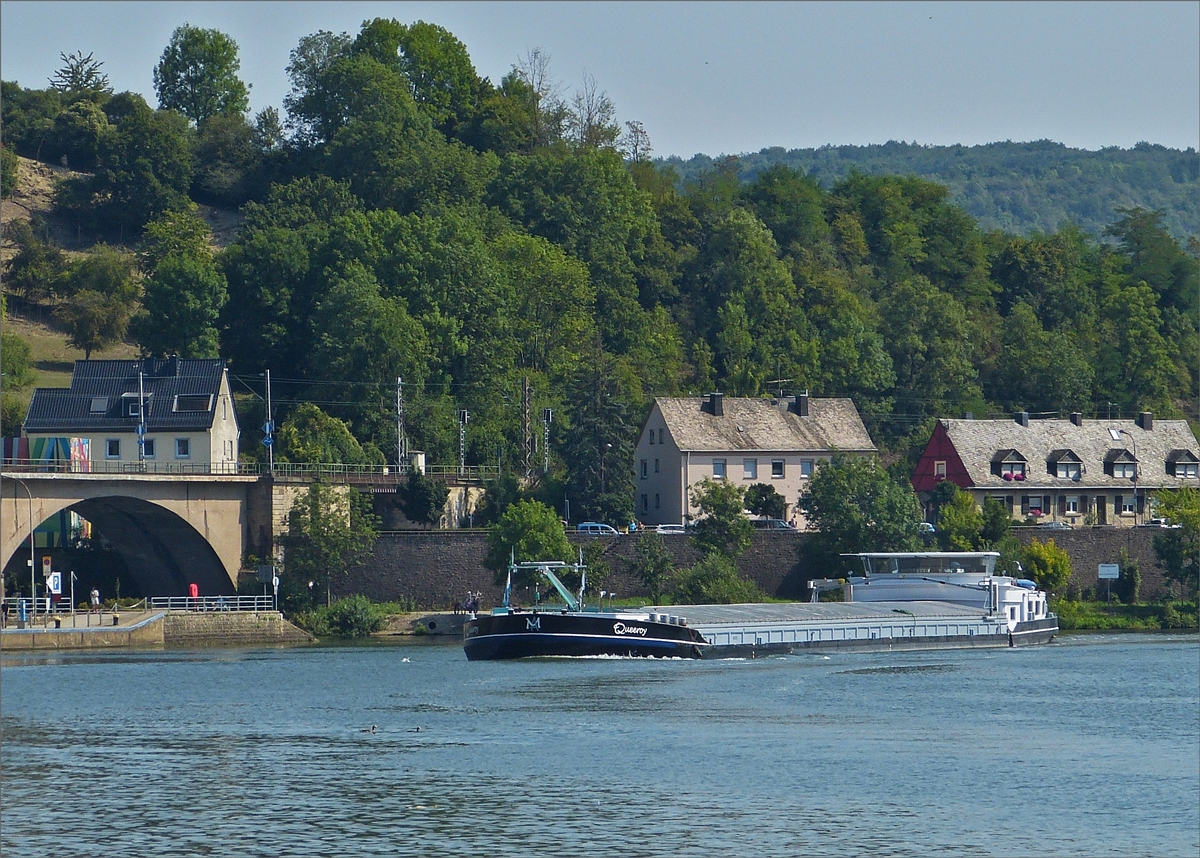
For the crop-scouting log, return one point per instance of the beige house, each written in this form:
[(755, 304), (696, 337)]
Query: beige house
[(181, 410), (1073, 471), (778, 442)]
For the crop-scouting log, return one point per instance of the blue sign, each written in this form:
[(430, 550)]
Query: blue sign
[(267, 442), (269, 427), (141, 430)]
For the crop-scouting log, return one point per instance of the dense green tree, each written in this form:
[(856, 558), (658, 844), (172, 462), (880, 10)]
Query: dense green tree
[(854, 506), (1156, 258), (1048, 565), (313, 112), (310, 436), (36, 270), (181, 302), (653, 565), (959, 523), (93, 321), (498, 495), (144, 168), (10, 170), (423, 499), (1040, 370), (527, 531), (329, 532), (763, 500), (228, 154), (1135, 368), (77, 135), (1178, 548), (197, 75), (722, 527), (997, 524)]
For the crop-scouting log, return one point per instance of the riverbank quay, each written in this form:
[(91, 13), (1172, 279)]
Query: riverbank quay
[(153, 629)]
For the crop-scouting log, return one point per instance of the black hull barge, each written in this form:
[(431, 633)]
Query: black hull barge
[(516, 633), (510, 632)]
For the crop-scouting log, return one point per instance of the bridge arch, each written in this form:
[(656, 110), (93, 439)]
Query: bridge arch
[(170, 532)]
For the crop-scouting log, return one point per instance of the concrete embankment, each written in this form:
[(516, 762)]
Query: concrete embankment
[(151, 629)]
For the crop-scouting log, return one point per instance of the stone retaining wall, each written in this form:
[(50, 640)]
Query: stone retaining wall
[(146, 635), (436, 567), (230, 627)]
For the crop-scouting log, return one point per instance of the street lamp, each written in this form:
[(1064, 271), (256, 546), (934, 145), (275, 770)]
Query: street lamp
[(32, 555), (603, 450), (1116, 434)]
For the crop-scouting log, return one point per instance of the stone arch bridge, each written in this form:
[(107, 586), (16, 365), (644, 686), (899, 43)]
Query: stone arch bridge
[(171, 530)]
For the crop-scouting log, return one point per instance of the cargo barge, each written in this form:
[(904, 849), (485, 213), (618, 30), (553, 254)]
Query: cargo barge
[(901, 601)]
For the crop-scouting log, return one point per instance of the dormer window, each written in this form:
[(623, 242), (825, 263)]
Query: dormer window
[(131, 405), (1183, 464), (1012, 470), (1064, 465), (191, 402), (1008, 465), (1125, 470)]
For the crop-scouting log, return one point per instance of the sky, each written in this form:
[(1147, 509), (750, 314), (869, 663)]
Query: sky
[(729, 78)]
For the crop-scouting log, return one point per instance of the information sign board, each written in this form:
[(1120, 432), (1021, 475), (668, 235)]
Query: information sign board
[(1110, 571)]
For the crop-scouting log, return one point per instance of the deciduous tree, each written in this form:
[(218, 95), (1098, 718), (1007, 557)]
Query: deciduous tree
[(197, 75)]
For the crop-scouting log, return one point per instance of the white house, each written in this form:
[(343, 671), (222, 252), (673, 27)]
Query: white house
[(181, 409), (778, 442)]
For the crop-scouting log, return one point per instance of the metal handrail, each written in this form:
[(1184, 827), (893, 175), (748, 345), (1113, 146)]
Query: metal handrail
[(214, 603), (335, 470)]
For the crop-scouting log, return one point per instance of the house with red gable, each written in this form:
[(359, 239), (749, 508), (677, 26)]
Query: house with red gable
[(1073, 471)]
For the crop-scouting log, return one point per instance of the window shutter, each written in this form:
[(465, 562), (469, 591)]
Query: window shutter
[(1046, 503), (1141, 504), (1024, 504), (1062, 505), (1116, 504)]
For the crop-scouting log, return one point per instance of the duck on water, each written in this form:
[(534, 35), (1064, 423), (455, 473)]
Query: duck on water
[(573, 629)]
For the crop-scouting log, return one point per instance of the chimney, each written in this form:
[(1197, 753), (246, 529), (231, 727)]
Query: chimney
[(1077, 418), (1146, 421), (802, 404), (1023, 418), (715, 405)]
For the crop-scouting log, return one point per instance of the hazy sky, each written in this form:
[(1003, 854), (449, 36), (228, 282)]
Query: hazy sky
[(727, 78)]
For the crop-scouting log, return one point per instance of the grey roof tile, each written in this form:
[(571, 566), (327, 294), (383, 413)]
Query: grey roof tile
[(765, 424)]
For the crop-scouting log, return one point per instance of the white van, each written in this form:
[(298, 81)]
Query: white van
[(595, 528)]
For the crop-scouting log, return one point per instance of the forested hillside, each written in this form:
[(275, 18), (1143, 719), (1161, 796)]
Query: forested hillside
[(1016, 187), (408, 219)]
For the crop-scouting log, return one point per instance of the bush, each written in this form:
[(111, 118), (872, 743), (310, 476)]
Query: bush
[(715, 581), (352, 617)]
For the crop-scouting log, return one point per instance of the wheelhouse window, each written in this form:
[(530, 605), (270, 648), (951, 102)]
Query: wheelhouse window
[(718, 469)]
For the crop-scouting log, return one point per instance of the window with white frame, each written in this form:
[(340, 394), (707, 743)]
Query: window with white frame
[(939, 468), (806, 467), (1014, 469), (148, 448), (1128, 505), (1187, 469), (718, 469), (777, 469), (183, 448), (112, 448), (749, 469), (1068, 470), (1072, 504), (1124, 470)]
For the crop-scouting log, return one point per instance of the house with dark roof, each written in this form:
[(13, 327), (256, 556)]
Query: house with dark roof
[(1075, 471), (172, 415), (779, 442)]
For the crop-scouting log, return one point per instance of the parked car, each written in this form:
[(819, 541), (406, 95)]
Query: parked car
[(1056, 525), (670, 528), (595, 528), (771, 524), (925, 527), (1159, 522)]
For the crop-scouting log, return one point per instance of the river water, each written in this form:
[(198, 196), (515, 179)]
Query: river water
[(1089, 746)]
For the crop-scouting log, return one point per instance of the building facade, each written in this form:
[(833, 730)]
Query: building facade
[(169, 416), (1074, 471), (778, 442)]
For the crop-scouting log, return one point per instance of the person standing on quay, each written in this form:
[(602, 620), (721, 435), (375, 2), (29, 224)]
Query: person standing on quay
[(95, 601)]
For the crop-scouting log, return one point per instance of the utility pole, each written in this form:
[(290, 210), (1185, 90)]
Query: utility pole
[(547, 415), (527, 446), (141, 429), (401, 436), (269, 429), (463, 417)]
